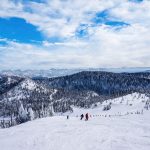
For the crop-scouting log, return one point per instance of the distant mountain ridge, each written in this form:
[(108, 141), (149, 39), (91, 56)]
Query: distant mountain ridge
[(63, 72), (103, 83)]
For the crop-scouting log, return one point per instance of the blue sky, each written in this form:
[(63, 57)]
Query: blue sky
[(72, 34), (19, 30)]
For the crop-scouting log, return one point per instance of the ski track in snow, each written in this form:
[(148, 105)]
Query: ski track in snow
[(130, 132)]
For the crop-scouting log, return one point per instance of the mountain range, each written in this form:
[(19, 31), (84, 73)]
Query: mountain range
[(24, 98)]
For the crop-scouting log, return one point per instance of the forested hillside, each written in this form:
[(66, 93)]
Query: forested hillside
[(25, 99)]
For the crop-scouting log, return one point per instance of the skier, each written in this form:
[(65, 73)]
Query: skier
[(82, 116), (67, 116), (86, 117)]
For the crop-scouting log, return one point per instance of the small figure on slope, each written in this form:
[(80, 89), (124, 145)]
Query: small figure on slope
[(82, 116), (86, 117)]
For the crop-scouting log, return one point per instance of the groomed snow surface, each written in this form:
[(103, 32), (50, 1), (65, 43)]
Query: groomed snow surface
[(114, 129), (130, 132)]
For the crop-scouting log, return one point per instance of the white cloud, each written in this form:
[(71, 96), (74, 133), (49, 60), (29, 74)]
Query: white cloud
[(56, 17), (106, 47)]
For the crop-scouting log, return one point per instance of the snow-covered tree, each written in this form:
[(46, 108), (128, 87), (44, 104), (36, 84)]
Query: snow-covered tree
[(31, 113), (23, 114)]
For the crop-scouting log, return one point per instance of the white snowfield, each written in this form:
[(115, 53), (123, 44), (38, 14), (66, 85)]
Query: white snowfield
[(130, 132), (113, 130)]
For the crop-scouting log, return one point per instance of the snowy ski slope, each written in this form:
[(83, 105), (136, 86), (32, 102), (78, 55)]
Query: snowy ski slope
[(105, 130), (130, 132)]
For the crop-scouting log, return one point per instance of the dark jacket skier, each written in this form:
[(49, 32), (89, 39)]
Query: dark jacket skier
[(86, 116), (82, 116)]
